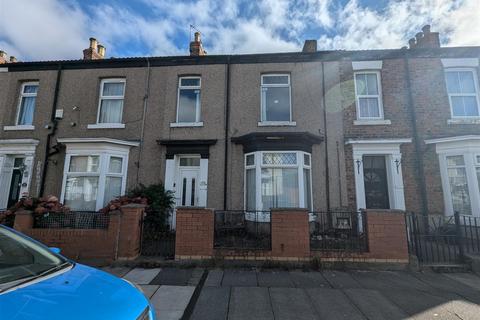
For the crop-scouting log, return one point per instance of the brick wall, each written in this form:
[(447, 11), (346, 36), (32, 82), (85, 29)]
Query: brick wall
[(121, 240), (194, 233), (387, 237), (290, 233)]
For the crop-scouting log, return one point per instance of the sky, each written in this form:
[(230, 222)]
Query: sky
[(35, 30)]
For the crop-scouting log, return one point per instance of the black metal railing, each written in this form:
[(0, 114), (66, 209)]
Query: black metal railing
[(238, 229), (438, 239), (72, 220), (338, 231)]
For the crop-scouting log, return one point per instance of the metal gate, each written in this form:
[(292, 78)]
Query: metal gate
[(157, 240), (442, 240)]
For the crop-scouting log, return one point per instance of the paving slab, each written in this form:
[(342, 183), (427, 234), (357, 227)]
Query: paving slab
[(446, 285), (239, 278), (141, 275), (333, 304), (469, 279), (393, 280), (149, 289), (274, 279), (374, 305), (340, 279), (308, 279), (195, 277), (170, 301), (291, 303), (212, 304), (117, 271), (172, 277), (250, 303), (214, 278)]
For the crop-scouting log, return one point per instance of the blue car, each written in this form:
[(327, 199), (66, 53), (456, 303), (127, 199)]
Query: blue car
[(37, 283)]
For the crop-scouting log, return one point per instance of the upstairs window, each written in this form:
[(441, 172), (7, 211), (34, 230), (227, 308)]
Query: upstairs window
[(112, 92), (26, 108), (368, 95), (276, 100), (462, 88), (188, 105)]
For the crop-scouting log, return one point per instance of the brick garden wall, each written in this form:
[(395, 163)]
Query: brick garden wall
[(387, 239), (121, 240)]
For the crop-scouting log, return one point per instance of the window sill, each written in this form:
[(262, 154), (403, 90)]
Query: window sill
[(106, 126), (186, 124), (19, 128), (379, 122), (277, 124), (464, 121)]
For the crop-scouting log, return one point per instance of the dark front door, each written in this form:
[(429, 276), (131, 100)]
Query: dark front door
[(14, 193), (376, 185)]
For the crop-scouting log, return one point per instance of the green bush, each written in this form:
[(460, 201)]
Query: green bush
[(160, 203)]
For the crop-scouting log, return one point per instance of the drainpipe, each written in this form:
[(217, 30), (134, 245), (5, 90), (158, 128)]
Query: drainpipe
[(327, 169), (145, 105), (227, 128), (52, 132), (416, 139)]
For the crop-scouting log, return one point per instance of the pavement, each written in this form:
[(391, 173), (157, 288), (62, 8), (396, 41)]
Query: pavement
[(236, 294)]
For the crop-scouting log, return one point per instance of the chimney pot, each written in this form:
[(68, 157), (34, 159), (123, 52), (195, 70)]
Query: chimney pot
[(93, 43), (419, 36), (3, 57), (13, 59), (196, 47), (310, 46), (101, 50), (412, 43), (426, 29)]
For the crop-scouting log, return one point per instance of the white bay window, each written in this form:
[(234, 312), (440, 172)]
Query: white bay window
[(95, 172), (277, 180)]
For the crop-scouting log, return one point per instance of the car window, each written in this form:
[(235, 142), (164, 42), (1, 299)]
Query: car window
[(21, 258)]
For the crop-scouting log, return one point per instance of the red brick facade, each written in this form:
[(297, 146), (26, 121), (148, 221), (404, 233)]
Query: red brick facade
[(121, 240)]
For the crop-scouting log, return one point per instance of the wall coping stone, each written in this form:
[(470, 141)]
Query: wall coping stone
[(392, 211), (289, 209), (23, 212), (134, 205), (194, 208)]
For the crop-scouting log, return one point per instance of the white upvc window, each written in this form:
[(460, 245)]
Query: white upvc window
[(91, 180), (188, 100), (368, 94), (26, 104), (276, 102), (463, 92), (277, 179), (110, 104)]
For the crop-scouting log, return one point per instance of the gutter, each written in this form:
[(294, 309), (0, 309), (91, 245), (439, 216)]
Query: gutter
[(52, 132), (416, 139), (227, 128)]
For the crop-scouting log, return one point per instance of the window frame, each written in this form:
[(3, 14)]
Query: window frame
[(102, 174), (101, 98), (258, 166), (379, 95), (198, 102), (24, 95), (263, 111), (470, 165), (476, 94)]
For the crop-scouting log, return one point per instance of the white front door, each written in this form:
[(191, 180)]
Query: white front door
[(187, 187)]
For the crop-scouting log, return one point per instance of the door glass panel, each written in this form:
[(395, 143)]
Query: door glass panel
[(184, 190), (14, 193), (18, 162), (307, 189), (251, 191), (192, 201), (376, 184)]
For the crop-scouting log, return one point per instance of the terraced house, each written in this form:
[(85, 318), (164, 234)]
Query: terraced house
[(388, 129)]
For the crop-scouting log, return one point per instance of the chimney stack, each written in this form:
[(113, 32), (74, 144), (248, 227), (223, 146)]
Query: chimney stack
[(196, 47), (13, 59), (310, 46), (425, 39), (3, 57), (95, 51)]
